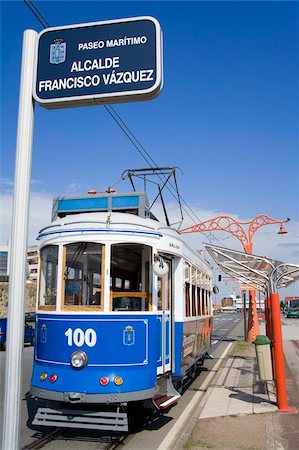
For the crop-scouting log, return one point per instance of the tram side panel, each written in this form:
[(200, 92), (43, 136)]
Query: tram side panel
[(192, 334)]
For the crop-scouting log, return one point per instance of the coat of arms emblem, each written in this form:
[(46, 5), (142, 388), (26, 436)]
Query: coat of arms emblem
[(57, 51), (129, 336)]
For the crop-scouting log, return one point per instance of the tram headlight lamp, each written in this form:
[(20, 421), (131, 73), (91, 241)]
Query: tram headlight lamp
[(79, 359), (160, 267)]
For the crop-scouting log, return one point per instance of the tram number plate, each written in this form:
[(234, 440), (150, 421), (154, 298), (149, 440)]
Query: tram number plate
[(79, 337)]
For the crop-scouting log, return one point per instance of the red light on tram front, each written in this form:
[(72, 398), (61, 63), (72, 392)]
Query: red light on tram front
[(104, 381), (53, 378)]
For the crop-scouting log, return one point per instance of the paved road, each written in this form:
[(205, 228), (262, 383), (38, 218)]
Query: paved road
[(223, 327)]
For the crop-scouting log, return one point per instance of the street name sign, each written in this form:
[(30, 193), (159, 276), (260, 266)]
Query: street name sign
[(96, 63)]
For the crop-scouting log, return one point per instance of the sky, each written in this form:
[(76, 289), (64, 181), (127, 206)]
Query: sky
[(227, 117)]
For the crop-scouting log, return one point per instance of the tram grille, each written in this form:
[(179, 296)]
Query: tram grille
[(117, 421)]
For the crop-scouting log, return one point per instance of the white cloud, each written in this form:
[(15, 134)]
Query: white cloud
[(39, 215), (76, 188)]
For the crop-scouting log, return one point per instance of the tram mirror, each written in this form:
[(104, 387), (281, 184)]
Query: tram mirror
[(160, 267), (216, 289)]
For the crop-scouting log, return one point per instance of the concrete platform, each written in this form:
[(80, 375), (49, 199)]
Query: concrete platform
[(237, 390)]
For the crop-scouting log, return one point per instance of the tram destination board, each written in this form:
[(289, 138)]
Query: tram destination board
[(101, 62)]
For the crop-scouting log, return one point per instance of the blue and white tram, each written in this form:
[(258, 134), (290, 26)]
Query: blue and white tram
[(123, 312)]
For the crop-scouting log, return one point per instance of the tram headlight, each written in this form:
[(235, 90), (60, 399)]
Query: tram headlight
[(79, 359)]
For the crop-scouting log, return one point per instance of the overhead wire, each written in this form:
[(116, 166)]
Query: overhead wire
[(37, 13), (135, 141), (126, 130)]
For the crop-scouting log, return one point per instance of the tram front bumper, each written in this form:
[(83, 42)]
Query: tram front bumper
[(83, 397)]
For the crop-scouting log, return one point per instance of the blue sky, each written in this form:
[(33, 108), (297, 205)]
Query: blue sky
[(227, 115)]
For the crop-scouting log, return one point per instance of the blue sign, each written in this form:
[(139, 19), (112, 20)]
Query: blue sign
[(100, 62)]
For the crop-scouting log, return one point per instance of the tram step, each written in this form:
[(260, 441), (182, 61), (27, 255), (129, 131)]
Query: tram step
[(91, 420), (164, 401)]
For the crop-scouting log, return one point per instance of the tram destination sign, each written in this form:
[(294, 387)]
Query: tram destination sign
[(96, 63)]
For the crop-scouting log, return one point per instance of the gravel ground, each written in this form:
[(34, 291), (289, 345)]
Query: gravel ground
[(247, 432), (268, 431)]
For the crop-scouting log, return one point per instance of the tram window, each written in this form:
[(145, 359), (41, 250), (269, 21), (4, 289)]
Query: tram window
[(199, 312), (203, 301), (118, 283), (136, 302), (209, 302), (159, 293), (164, 291), (130, 287), (83, 274), (187, 272), (48, 277), (187, 299), (193, 301)]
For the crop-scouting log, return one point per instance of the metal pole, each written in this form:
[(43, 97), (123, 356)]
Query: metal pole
[(268, 318), (244, 312), (17, 277), (253, 321), (279, 372), (260, 306)]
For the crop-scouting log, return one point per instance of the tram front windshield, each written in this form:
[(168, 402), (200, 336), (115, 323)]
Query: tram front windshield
[(83, 274), (83, 277)]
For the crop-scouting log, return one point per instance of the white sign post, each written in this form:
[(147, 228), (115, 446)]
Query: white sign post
[(18, 255)]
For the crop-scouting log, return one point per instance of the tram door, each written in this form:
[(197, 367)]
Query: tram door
[(164, 309)]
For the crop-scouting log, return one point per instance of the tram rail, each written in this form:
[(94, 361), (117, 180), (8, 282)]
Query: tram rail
[(43, 440), (109, 442)]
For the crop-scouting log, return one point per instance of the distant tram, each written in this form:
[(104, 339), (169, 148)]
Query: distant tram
[(124, 312)]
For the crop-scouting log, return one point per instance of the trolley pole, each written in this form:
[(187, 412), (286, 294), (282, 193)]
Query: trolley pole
[(18, 255)]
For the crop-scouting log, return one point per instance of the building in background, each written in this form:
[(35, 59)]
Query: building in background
[(291, 302), (4, 260), (32, 260), (228, 304), (234, 303)]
